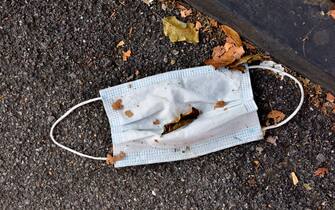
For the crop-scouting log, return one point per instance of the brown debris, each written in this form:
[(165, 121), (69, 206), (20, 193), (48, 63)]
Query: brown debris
[(321, 172), (198, 25), (219, 104), (181, 121), (117, 105), (184, 12), (128, 113), (276, 116), (330, 97), (213, 23), (111, 160), (126, 55), (156, 122)]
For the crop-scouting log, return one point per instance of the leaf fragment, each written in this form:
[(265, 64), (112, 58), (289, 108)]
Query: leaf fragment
[(111, 160), (276, 116), (307, 186), (198, 25), (181, 121), (178, 31), (213, 23), (126, 55), (294, 178), (239, 64), (226, 54), (117, 105), (330, 97), (331, 12), (219, 104), (184, 12), (129, 113), (321, 172), (120, 43)]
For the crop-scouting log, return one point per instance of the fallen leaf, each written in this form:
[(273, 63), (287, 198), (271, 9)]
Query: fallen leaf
[(112, 159), (294, 178), (219, 104), (276, 116), (331, 12), (126, 55), (231, 51), (198, 25), (307, 186), (156, 122), (321, 172), (117, 105), (178, 31), (120, 44), (184, 12), (181, 121), (330, 97), (128, 113), (272, 140), (213, 23), (231, 33), (239, 64)]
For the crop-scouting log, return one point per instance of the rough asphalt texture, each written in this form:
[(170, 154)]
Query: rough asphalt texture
[(55, 54)]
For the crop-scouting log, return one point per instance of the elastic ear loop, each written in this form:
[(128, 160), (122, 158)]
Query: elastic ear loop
[(282, 73), (65, 115)]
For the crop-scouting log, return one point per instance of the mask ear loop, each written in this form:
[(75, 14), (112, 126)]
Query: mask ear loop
[(282, 73), (65, 115)]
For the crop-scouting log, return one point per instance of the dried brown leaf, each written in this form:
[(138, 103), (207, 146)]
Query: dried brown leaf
[(178, 31), (276, 116), (128, 113), (231, 51), (117, 105), (181, 121), (219, 104), (111, 160), (330, 97), (232, 34), (126, 55), (321, 172), (239, 64), (294, 178)]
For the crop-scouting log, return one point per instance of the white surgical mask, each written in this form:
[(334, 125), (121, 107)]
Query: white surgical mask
[(150, 103)]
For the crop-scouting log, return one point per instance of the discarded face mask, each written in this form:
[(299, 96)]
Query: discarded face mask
[(181, 114)]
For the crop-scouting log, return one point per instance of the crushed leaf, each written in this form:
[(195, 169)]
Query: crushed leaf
[(307, 186), (276, 116), (117, 105), (198, 25), (231, 33), (128, 113), (126, 55), (156, 122), (178, 31), (294, 178), (213, 23), (330, 97), (181, 121), (219, 104), (256, 164), (120, 44), (239, 64), (112, 160), (318, 89), (321, 172), (226, 54), (272, 140), (184, 12)]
